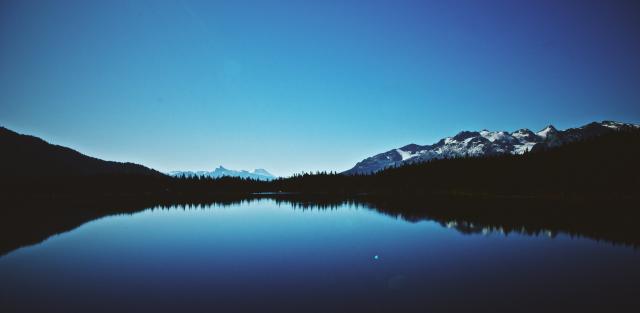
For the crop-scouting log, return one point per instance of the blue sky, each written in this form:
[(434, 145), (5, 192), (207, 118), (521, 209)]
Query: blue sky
[(296, 86)]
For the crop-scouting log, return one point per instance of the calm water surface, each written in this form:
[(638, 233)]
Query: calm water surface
[(267, 257)]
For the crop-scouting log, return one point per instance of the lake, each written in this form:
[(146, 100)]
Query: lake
[(277, 256)]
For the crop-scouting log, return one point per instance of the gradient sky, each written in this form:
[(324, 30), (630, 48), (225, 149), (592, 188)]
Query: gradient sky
[(296, 86)]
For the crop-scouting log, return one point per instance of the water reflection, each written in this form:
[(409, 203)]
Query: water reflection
[(312, 255), (29, 222)]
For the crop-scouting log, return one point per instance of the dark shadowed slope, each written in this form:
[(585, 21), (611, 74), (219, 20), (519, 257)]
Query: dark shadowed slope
[(29, 156)]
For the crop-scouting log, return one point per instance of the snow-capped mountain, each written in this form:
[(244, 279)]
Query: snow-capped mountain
[(484, 142), (259, 173)]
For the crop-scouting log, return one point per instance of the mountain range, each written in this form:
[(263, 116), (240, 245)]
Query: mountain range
[(260, 174), (28, 156), (485, 142)]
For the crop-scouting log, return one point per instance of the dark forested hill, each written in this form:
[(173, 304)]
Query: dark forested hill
[(30, 165), (29, 156)]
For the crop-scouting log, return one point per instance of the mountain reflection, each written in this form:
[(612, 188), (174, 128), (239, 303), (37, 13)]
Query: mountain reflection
[(30, 222)]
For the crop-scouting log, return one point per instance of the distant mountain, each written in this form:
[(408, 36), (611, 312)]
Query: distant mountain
[(28, 156), (259, 173), (484, 142)]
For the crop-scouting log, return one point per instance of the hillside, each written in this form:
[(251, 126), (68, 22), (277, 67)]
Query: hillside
[(29, 156)]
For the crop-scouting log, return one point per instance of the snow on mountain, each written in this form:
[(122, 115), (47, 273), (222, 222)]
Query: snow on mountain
[(484, 142), (405, 155), (547, 131), (261, 171), (220, 171), (617, 125)]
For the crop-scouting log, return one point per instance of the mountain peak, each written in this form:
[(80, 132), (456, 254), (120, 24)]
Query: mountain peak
[(544, 133), (410, 147), (261, 171), (550, 127), (466, 135)]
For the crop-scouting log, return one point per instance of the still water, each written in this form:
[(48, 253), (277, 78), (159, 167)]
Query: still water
[(264, 256)]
